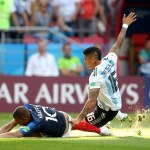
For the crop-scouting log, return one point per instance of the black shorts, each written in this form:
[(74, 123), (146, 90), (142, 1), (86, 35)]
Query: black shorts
[(100, 117)]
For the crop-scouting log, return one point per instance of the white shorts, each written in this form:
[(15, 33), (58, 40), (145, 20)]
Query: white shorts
[(69, 128)]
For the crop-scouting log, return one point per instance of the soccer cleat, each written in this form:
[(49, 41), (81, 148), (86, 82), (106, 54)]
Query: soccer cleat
[(125, 116), (122, 116), (108, 125), (105, 131)]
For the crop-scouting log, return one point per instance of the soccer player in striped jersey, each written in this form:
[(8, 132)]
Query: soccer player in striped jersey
[(103, 84)]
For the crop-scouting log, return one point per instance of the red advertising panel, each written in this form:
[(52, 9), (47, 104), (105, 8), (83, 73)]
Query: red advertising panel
[(132, 92), (64, 93)]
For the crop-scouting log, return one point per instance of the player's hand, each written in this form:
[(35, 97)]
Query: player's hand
[(74, 121), (129, 19)]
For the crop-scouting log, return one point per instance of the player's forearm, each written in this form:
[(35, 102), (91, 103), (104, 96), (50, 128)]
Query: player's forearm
[(89, 105), (8, 127), (5, 128), (16, 134), (121, 37), (127, 21), (8, 135), (117, 46)]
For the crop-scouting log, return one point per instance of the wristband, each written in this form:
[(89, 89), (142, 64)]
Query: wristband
[(125, 26)]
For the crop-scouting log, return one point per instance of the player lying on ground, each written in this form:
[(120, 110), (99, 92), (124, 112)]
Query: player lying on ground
[(103, 84), (38, 121)]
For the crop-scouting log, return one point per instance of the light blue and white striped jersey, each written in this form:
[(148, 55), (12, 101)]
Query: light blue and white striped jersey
[(105, 77)]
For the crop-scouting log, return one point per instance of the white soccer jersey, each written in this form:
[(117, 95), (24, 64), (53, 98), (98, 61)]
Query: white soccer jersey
[(105, 77)]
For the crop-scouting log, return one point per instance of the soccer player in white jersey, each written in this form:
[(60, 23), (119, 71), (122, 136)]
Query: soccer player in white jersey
[(103, 84)]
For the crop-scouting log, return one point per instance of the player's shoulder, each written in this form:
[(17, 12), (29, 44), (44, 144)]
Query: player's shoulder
[(28, 106), (110, 55), (97, 72)]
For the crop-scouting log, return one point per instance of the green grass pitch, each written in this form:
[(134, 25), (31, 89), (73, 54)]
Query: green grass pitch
[(125, 137)]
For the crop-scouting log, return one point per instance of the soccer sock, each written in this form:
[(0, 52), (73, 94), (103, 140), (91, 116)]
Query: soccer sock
[(84, 126)]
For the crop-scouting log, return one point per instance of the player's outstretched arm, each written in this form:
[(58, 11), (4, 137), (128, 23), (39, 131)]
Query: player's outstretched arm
[(16, 134), (89, 105), (127, 21), (8, 127)]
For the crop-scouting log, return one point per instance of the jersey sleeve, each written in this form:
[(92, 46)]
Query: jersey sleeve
[(94, 84), (95, 81), (29, 129)]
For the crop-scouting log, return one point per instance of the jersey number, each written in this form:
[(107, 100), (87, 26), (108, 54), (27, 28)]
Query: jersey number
[(49, 116), (113, 82)]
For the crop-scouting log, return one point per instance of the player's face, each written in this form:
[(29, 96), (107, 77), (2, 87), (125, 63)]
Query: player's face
[(22, 122), (89, 61)]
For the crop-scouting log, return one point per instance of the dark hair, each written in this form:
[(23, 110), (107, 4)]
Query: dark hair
[(21, 112), (93, 50)]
